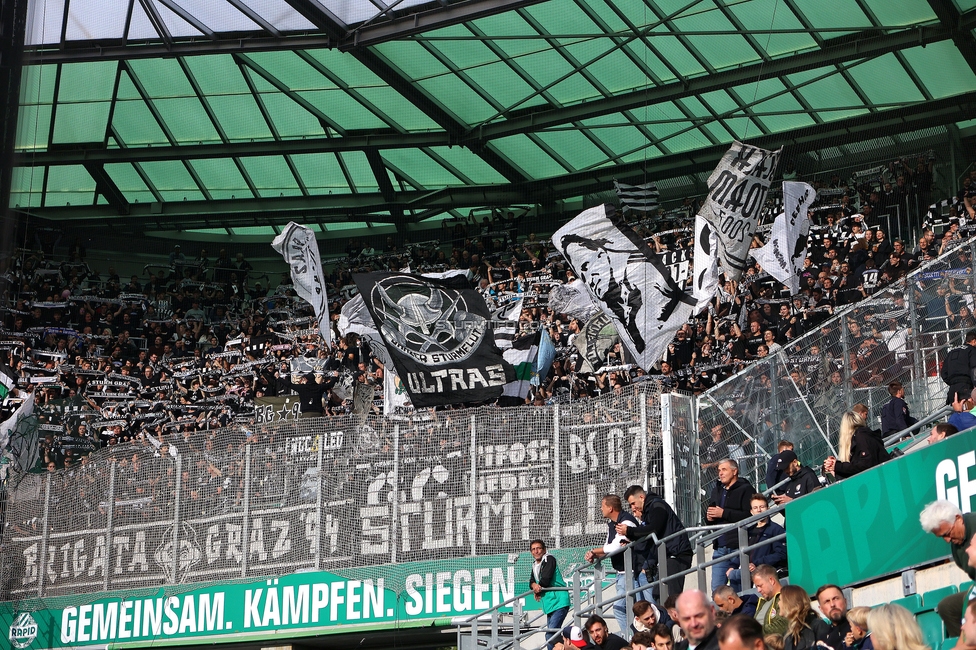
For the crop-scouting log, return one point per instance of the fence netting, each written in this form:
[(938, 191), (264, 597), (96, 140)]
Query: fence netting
[(800, 391), (337, 494)]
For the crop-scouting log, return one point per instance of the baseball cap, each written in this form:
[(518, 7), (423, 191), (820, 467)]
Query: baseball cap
[(576, 637), (785, 458)]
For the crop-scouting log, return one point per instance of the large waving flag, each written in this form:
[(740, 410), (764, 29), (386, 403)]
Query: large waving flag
[(522, 355), (298, 246), (782, 257), (630, 283)]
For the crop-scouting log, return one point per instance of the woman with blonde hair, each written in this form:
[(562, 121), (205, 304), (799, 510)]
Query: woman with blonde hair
[(894, 628), (803, 625), (859, 447), (859, 638)]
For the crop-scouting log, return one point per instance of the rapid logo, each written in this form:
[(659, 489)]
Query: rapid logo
[(23, 631)]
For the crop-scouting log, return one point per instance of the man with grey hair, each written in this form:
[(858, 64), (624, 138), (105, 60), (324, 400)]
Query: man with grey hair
[(728, 504), (944, 519)]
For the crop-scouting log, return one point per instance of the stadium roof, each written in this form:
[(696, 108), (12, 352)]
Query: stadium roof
[(234, 116)]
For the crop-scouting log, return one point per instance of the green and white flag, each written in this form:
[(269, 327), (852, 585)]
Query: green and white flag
[(522, 356), (8, 381)]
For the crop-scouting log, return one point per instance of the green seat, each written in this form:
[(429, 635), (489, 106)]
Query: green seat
[(931, 598), (966, 586), (950, 643), (932, 628), (912, 603)]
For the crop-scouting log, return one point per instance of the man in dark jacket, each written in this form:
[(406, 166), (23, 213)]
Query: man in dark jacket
[(773, 553), (944, 519), (775, 473), (803, 480), (957, 369), (894, 415), (696, 616), (728, 504), (611, 507), (656, 516)]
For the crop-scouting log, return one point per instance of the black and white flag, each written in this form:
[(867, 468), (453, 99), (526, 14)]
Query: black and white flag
[(505, 321), (594, 340), (736, 194), (298, 246), (8, 380), (438, 337), (628, 281), (572, 299), (782, 256), (706, 262), (637, 198)]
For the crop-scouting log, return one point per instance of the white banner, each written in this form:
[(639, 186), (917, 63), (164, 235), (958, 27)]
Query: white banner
[(8, 425), (396, 401), (706, 262), (298, 246), (736, 194), (631, 284), (782, 257)]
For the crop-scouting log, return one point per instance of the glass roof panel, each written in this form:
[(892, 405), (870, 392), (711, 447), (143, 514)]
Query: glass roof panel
[(264, 231), (719, 51), (575, 148), (419, 167), (785, 112), (37, 84), (271, 176), (651, 60), (217, 75), (942, 69), (463, 54), (290, 120), (240, 118), (162, 78), (525, 154), (615, 70), (676, 54), (291, 70), (548, 66), (756, 15), (69, 185), (500, 82), (833, 14), (343, 109), (885, 81), (187, 120), (44, 19), (676, 132), (562, 17), (353, 73), (172, 180), (412, 59), (825, 92), (964, 5), (140, 27), (134, 124), (458, 98), (903, 12), (93, 19), (509, 23), (33, 127), (614, 133), (127, 179), (359, 171), (321, 173), (174, 23), (335, 226), (468, 165), (401, 111), (222, 178), (25, 186), (280, 14), (84, 100), (219, 15)]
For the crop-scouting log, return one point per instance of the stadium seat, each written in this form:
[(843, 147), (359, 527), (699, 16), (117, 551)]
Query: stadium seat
[(932, 628), (966, 586), (950, 643), (931, 598), (912, 603)]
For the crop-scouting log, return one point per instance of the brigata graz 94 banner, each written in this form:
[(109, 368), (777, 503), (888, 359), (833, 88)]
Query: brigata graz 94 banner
[(300, 604), (867, 525)]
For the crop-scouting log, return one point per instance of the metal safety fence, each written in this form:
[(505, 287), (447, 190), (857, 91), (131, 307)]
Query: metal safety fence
[(335, 494), (800, 391)]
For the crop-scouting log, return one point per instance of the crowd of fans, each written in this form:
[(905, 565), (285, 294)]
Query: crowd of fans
[(193, 343)]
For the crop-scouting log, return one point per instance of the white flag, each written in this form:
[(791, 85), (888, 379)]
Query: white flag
[(782, 257), (354, 317), (297, 245), (736, 194), (628, 281), (706, 262), (504, 321), (396, 401)]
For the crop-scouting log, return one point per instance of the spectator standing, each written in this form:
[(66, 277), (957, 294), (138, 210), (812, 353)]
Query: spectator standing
[(944, 519), (728, 504), (957, 369), (860, 448), (656, 516), (611, 508), (775, 473), (546, 575), (895, 416), (803, 480)]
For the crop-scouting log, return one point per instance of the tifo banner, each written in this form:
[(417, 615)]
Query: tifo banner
[(299, 604), (736, 194), (298, 246), (782, 257), (327, 494), (631, 284), (438, 337), (277, 409), (867, 525)]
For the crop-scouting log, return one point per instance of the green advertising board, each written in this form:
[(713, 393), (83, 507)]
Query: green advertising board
[(867, 525), (293, 605)]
